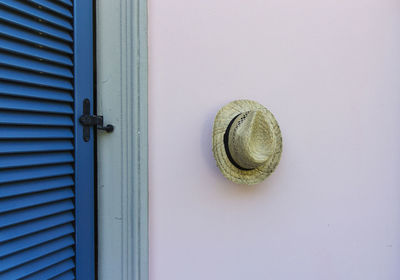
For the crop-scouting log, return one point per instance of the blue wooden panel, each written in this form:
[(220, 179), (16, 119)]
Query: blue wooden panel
[(46, 169), (84, 175)]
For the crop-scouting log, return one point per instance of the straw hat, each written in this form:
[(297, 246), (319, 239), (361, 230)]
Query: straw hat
[(247, 142)]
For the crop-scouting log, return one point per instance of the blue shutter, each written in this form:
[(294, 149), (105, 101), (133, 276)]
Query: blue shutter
[(46, 170)]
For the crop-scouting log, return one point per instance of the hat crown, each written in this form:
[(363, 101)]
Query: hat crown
[(251, 139)]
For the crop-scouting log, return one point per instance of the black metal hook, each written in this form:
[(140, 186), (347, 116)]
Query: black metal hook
[(87, 120)]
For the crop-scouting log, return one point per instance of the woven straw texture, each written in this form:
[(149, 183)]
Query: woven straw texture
[(244, 152)]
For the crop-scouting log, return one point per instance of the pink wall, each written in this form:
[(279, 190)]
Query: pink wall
[(329, 71)]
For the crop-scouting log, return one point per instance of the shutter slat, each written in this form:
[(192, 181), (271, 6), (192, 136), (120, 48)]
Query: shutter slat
[(34, 105), (20, 62), (35, 212), (69, 275), (32, 159), (33, 186), (27, 9), (62, 270), (35, 239), (10, 74), (24, 146), (35, 39), (35, 253), (34, 132), (66, 2), (20, 202), (7, 117), (34, 25), (54, 7), (37, 265), (21, 174), (27, 228), (20, 90), (34, 52)]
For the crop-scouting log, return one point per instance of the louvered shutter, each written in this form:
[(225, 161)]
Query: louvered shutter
[(46, 170)]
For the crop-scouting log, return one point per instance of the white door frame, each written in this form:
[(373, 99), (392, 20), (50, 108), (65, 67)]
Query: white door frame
[(122, 155)]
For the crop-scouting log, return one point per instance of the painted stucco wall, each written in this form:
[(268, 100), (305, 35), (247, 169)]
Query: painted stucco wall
[(329, 71)]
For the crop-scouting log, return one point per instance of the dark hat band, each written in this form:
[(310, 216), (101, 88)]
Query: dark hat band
[(226, 145)]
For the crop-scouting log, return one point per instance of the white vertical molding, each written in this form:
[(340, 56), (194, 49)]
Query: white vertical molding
[(122, 155)]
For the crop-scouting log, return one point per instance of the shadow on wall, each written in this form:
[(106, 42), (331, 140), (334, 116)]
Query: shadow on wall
[(206, 144)]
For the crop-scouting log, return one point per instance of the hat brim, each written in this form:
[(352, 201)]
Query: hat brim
[(231, 172)]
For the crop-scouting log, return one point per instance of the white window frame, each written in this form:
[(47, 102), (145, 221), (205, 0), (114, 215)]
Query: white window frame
[(122, 155)]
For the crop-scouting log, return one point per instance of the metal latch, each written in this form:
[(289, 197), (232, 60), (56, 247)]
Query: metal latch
[(88, 120)]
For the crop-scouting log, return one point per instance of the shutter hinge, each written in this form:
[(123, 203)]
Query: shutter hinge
[(87, 120)]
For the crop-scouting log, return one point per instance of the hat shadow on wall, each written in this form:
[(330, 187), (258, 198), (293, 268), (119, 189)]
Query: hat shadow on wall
[(206, 145)]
